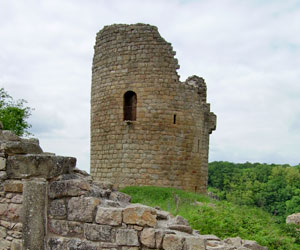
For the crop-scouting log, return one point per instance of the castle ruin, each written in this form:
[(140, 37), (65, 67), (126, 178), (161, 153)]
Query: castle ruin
[(147, 127)]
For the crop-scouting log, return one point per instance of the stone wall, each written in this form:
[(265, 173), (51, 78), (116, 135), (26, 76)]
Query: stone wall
[(167, 144), (47, 203)]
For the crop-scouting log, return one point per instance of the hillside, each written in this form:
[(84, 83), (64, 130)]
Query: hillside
[(220, 218)]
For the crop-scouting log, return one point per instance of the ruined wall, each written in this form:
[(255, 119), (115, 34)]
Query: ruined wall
[(47, 203), (167, 144)]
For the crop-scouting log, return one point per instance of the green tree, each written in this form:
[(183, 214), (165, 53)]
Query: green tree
[(14, 114)]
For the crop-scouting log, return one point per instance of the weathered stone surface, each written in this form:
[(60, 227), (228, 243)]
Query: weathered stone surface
[(82, 208), (236, 241), (56, 243), (34, 214), (10, 211), (121, 197), (179, 220), (98, 232), (109, 216), (209, 237), (20, 147), (7, 135), (14, 186), (3, 175), (159, 234), (13, 212), (251, 244), (130, 248), (77, 244), (182, 228), (58, 209), (139, 215), (194, 243), (162, 215), (73, 187), (170, 129), (66, 228), (18, 199), (2, 233), (127, 237), (5, 245), (2, 163), (293, 219), (14, 234), (42, 166), (172, 242), (98, 192), (16, 245), (148, 237)]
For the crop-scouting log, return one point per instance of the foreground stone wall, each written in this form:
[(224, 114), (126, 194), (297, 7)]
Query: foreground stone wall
[(47, 203), (166, 144)]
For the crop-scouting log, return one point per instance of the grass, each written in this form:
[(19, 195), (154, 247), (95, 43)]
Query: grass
[(220, 218)]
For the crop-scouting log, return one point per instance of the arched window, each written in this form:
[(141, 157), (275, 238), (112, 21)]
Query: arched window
[(130, 101)]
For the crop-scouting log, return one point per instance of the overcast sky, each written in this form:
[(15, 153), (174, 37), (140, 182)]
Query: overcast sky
[(247, 51)]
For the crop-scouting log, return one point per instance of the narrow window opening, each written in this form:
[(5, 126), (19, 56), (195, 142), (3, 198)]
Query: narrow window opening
[(130, 101), (174, 119), (198, 145)]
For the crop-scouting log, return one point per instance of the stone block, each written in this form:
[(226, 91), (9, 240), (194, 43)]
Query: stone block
[(82, 208), (78, 244), (57, 209), (121, 197), (10, 211), (139, 215), (182, 228), (148, 237), (172, 242), (20, 147), (98, 232), (127, 237), (5, 245), (236, 241), (2, 233), (66, 228), (16, 245), (34, 213), (73, 187), (109, 216), (56, 243), (7, 135), (251, 244), (2, 163), (14, 212), (42, 166), (18, 199), (293, 219), (13, 186), (194, 243), (3, 176)]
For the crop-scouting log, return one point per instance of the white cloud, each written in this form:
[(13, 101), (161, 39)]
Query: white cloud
[(248, 52)]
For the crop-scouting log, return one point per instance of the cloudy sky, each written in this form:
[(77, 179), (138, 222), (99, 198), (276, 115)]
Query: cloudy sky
[(247, 51)]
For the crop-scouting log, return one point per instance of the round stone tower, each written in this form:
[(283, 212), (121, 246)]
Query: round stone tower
[(147, 127)]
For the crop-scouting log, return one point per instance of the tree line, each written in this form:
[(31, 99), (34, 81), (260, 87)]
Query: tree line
[(273, 187)]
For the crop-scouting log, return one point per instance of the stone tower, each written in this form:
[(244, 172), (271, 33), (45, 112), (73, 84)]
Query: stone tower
[(147, 127)]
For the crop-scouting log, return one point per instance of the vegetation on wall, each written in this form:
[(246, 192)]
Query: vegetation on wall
[(275, 188), (14, 114), (220, 218)]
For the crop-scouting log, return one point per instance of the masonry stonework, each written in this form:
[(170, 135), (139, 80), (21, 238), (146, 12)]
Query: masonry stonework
[(147, 127), (48, 203)]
